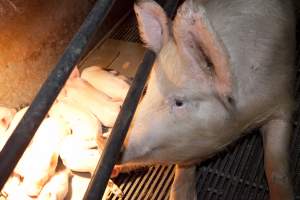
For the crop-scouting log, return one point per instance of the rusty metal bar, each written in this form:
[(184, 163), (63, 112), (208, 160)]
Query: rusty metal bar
[(24, 132), (114, 143)]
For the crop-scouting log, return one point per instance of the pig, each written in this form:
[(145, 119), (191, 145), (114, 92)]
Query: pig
[(57, 187), (40, 159), (98, 103), (111, 84), (222, 68), (83, 123)]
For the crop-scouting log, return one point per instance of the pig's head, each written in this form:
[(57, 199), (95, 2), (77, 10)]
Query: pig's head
[(188, 100)]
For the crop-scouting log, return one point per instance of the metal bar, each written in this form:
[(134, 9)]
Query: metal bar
[(114, 143), (24, 132)]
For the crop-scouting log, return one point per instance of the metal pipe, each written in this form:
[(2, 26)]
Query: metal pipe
[(114, 143), (24, 132)]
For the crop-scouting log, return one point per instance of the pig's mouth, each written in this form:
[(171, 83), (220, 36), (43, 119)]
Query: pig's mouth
[(129, 155), (134, 154)]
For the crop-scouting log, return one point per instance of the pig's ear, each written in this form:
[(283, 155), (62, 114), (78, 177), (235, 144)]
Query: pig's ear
[(197, 40), (153, 24)]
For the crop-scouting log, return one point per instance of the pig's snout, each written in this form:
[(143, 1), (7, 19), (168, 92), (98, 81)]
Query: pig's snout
[(130, 152), (127, 154)]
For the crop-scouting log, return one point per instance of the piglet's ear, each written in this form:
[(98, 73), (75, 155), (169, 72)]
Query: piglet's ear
[(201, 46), (153, 24)]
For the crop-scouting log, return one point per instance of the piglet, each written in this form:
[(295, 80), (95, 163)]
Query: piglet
[(222, 68)]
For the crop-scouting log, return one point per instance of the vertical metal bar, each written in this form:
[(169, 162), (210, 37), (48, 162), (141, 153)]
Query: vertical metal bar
[(24, 132), (114, 143)]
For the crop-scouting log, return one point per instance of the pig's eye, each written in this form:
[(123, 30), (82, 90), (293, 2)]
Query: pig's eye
[(178, 102)]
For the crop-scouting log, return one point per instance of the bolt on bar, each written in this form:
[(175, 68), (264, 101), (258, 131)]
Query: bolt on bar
[(24, 132), (114, 143)]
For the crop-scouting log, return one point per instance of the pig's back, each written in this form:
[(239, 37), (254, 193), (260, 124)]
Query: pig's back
[(260, 38)]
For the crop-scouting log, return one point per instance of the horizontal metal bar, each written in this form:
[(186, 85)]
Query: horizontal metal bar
[(114, 143), (24, 132)]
